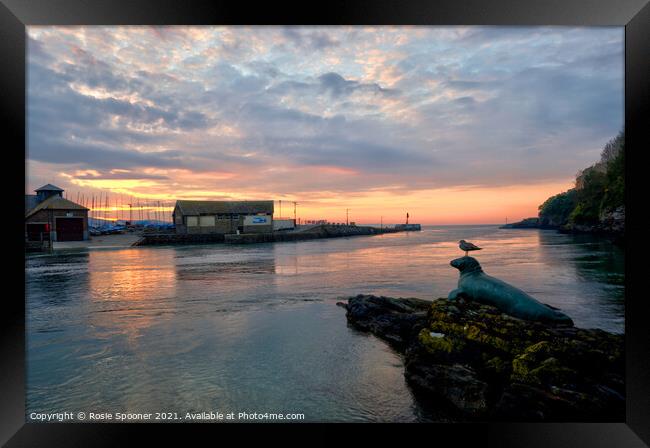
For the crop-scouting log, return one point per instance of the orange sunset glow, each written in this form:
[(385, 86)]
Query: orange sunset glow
[(453, 125)]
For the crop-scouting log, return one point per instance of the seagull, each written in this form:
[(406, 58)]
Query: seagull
[(466, 246)]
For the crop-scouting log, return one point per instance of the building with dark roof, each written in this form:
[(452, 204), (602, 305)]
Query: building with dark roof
[(49, 215), (223, 216)]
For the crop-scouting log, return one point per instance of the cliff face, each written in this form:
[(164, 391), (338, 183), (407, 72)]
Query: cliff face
[(609, 222), (556, 210), (614, 221), (551, 221), (596, 203), (486, 365)]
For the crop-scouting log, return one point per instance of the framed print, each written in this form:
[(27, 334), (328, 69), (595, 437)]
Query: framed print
[(375, 213)]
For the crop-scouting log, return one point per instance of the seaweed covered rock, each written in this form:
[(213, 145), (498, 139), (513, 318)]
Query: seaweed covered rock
[(491, 366), (398, 321)]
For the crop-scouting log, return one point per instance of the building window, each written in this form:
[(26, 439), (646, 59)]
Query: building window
[(206, 221), (192, 221)]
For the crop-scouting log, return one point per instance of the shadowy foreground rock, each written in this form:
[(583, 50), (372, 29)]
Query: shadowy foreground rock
[(485, 365)]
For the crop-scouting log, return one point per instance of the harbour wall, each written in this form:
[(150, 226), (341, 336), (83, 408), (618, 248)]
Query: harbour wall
[(322, 231)]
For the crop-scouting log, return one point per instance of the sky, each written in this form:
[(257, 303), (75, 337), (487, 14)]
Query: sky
[(454, 125)]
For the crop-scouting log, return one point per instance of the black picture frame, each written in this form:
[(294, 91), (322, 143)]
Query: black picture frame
[(633, 14)]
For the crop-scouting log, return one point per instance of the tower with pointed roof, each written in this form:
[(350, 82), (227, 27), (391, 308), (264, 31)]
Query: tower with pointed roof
[(47, 191)]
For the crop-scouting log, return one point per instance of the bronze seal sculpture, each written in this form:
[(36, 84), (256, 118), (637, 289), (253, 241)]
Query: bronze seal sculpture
[(474, 284)]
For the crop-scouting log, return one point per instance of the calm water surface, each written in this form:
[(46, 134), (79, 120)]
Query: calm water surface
[(255, 328)]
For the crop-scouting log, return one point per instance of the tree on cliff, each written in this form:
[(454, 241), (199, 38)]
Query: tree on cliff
[(615, 185), (599, 189), (555, 210)]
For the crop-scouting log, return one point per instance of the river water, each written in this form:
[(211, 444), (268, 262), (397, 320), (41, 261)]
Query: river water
[(255, 328)]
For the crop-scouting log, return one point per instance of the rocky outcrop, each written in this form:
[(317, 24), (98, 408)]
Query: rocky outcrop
[(550, 222), (542, 222), (397, 321), (613, 220), (486, 365), (610, 223), (528, 223)]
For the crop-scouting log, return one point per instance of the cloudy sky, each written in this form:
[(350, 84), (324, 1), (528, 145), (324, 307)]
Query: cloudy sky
[(452, 124)]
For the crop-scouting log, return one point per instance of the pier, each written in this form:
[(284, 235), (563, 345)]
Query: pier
[(300, 234)]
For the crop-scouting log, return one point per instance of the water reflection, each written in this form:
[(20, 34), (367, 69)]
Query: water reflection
[(60, 276), (130, 290), (220, 271), (589, 274), (255, 327)]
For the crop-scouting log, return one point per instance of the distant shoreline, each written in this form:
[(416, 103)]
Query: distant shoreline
[(617, 237)]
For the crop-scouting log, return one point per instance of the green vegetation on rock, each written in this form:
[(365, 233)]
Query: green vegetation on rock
[(555, 211), (598, 193), (437, 344), (489, 365)]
